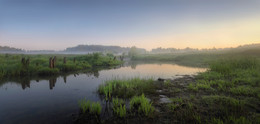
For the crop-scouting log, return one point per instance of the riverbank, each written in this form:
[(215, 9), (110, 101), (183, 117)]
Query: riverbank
[(197, 59), (18, 65), (228, 92)]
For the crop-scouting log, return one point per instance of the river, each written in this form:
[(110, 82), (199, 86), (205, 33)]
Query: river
[(55, 99)]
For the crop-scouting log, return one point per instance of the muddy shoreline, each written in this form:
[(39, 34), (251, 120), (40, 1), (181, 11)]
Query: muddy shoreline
[(160, 99), (175, 101)]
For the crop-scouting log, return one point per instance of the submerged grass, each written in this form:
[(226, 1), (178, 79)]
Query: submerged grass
[(90, 107), (126, 88), (120, 111), (142, 104), (119, 108)]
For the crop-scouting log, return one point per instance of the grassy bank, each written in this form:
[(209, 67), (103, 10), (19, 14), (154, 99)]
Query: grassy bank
[(229, 92), (197, 59), (31, 65)]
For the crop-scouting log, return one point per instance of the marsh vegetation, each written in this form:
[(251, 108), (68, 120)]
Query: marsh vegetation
[(31, 65), (228, 92)]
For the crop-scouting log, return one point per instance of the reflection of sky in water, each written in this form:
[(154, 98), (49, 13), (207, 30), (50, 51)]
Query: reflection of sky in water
[(152, 70), (54, 100)]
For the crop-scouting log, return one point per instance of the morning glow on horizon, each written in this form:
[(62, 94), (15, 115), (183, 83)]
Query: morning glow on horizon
[(56, 25)]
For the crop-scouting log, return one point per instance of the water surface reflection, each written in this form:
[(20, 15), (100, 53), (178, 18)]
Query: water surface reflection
[(54, 99)]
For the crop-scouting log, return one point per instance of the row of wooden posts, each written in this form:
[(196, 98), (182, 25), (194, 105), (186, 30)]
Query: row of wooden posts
[(25, 62), (52, 61)]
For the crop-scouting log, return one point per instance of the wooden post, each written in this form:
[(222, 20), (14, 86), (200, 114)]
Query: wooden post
[(74, 60), (64, 60), (23, 61), (28, 62), (65, 79), (50, 62), (54, 62)]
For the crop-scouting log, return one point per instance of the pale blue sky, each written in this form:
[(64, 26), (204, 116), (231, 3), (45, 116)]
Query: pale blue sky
[(57, 24)]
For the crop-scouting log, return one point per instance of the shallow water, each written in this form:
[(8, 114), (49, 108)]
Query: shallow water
[(55, 99)]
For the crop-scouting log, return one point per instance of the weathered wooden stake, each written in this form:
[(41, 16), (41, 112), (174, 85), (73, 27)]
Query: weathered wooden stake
[(64, 60), (50, 62), (23, 61), (54, 62), (27, 62)]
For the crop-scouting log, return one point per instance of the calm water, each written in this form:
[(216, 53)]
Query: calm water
[(55, 99)]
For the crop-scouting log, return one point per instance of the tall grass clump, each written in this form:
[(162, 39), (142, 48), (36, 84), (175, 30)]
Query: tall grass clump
[(96, 108), (142, 105), (243, 90), (90, 107), (224, 106), (238, 76), (84, 105), (119, 108), (117, 102), (176, 103), (126, 88), (120, 111), (227, 66)]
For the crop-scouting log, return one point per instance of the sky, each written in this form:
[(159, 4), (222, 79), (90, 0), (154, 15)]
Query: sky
[(58, 24)]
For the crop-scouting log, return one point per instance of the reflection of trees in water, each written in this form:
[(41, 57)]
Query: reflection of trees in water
[(107, 108), (65, 79), (25, 83), (96, 74), (52, 82), (133, 66)]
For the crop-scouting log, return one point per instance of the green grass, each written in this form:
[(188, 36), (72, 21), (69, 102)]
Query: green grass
[(84, 105), (176, 103), (117, 102), (90, 107), (120, 111), (96, 108), (12, 65), (142, 104), (239, 76), (167, 83), (244, 90), (177, 100), (126, 88), (228, 92), (223, 106), (119, 108), (217, 121), (193, 87)]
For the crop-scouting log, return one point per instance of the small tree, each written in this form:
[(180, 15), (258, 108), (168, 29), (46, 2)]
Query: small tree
[(133, 51)]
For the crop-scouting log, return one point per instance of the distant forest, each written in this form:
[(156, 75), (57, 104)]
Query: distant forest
[(9, 49), (101, 48), (251, 47), (254, 48)]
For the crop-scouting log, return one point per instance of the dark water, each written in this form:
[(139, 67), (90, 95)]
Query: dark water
[(55, 99)]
